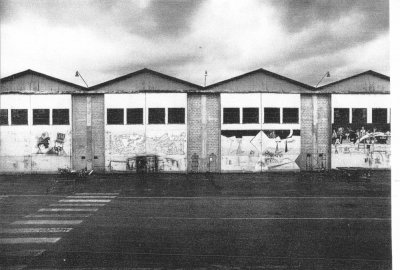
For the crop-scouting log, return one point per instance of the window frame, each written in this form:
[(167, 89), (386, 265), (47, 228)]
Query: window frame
[(357, 121), (237, 109), (184, 116), (374, 118), (109, 118), (26, 122), (129, 120), (60, 123), (279, 115), (150, 116), (285, 119), (39, 121), (257, 116), (340, 122), (5, 123)]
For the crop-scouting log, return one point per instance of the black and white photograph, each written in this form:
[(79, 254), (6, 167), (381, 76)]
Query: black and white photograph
[(198, 134)]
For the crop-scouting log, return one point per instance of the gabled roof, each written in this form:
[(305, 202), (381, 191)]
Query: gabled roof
[(368, 72), (266, 72), (143, 71), (32, 72)]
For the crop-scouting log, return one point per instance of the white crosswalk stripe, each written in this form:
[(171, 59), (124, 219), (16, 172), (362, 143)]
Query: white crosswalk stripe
[(77, 204), (41, 222), (111, 194), (91, 197), (29, 240), (84, 201), (36, 230), (68, 210), (58, 215)]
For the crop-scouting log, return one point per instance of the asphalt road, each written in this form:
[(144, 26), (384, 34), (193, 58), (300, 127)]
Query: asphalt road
[(134, 230)]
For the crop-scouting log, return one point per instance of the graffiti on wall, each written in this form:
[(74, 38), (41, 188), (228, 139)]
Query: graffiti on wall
[(266, 150), (46, 145), (154, 152), (361, 147)]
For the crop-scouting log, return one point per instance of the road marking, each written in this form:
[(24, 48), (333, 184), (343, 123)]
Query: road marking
[(24, 253), (36, 230), (76, 204), (68, 210), (85, 193), (92, 197), (250, 198), (57, 215), (264, 218), (41, 222), (29, 240), (87, 201)]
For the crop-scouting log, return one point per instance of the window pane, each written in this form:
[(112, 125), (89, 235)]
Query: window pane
[(272, 115), (41, 116), (359, 116), (379, 116), (156, 116), (19, 116), (3, 117), (341, 116), (60, 116), (231, 116), (250, 115), (290, 115), (176, 115), (115, 116), (134, 116)]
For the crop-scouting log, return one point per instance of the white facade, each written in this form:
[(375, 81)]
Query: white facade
[(258, 146), (20, 150), (123, 142), (260, 101), (369, 102)]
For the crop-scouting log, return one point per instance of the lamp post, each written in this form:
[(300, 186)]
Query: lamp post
[(77, 74), (327, 74)]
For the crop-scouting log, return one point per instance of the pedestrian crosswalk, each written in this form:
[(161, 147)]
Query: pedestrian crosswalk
[(33, 233)]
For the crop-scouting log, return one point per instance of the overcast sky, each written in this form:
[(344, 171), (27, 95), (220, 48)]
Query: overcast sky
[(300, 39)]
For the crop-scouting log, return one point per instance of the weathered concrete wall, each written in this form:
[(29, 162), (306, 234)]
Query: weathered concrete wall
[(98, 132), (79, 132), (315, 132), (260, 146), (167, 141), (204, 129), (35, 148)]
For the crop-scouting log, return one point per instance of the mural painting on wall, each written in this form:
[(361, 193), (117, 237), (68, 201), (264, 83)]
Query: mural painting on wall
[(267, 150), (361, 146), (168, 148), (57, 148)]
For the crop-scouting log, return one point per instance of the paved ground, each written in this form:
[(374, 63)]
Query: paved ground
[(262, 221)]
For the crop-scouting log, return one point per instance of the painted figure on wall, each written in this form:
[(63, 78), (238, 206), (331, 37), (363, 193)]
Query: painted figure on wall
[(43, 144)]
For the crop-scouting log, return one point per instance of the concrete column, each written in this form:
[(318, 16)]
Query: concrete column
[(203, 104), (89, 152)]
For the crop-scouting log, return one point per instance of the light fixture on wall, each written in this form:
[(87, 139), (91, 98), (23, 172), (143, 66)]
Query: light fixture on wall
[(327, 74), (77, 74)]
